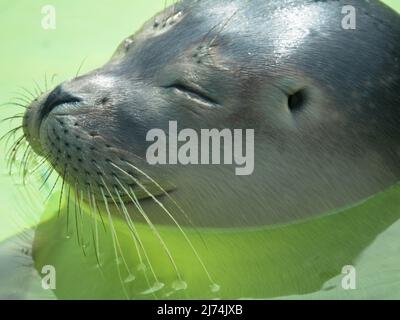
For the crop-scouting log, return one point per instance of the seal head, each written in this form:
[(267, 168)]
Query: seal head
[(323, 103)]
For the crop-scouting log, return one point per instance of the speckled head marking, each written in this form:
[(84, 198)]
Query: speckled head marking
[(323, 102)]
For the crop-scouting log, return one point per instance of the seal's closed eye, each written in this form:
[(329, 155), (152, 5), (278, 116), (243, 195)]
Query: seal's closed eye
[(192, 92)]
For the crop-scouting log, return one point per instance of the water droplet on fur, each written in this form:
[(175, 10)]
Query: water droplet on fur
[(215, 287), (179, 285), (130, 278), (156, 287)]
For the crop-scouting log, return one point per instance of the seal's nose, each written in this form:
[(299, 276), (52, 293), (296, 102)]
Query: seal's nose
[(57, 97)]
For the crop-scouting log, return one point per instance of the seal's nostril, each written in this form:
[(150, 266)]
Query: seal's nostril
[(57, 97)]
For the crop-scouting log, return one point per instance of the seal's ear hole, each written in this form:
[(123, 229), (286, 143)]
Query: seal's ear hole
[(297, 101)]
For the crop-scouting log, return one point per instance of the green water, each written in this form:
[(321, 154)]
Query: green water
[(260, 263), (86, 31), (90, 31)]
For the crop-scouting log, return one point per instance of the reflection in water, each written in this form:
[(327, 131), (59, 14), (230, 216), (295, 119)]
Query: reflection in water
[(277, 261)]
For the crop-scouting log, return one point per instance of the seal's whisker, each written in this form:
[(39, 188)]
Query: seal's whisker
[(27, 148), (16, 143), (162, 190), (17, 116), (68, 207), (94, 229), (28, 92), (22, 164), (64, 174), (111, 195), (13, 151), (45, 82), (37, 92), (172, 218), (22, 98), (46, 176), (77, 220), (80, 67), (101, 173), (14, 104), (14, 147), (115, 241), (12, 137), (11, 162), (135, 201), (41, 163), (25, 164), (52, 188), (19, 100), (96, 207), (53, 77), (80, 201), (136, 239), (130, 223), (224, 25), (23, 159), (39, 89), (208, 33), (10, 133), (11, 155), (26, 158), (118, 244), (25, 94)]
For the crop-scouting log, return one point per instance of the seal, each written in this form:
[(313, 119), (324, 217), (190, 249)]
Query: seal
[(322, 100)]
